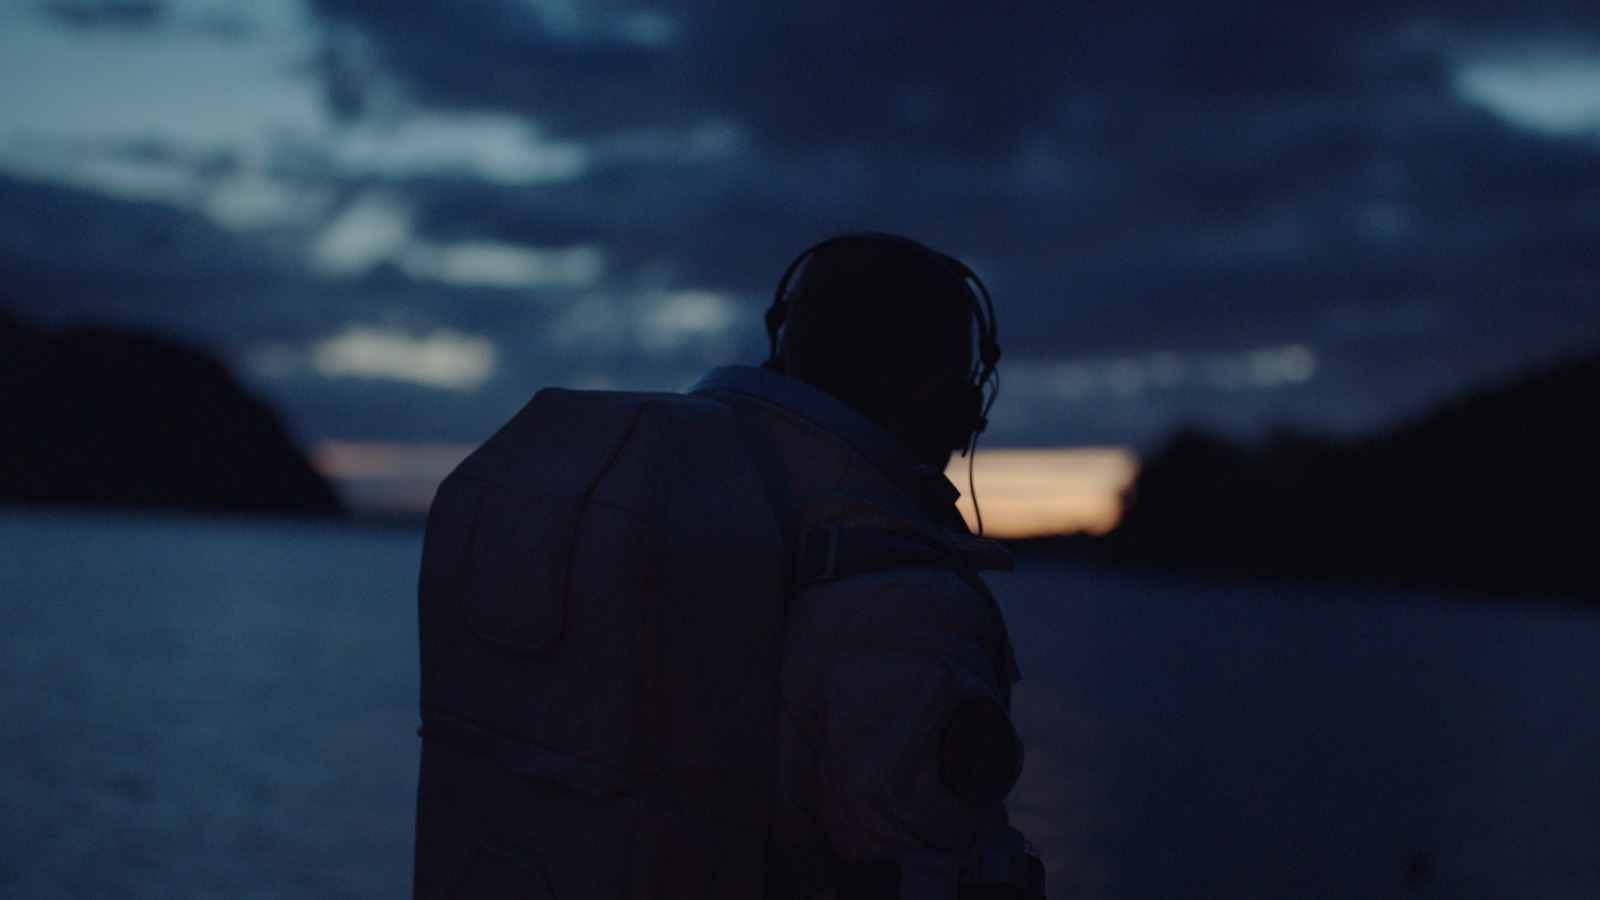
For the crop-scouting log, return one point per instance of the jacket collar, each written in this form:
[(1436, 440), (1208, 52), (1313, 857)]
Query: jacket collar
[(924, 484)]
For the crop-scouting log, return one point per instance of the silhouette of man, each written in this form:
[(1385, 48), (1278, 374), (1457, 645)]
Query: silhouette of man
[(799, 508), (895, 746)]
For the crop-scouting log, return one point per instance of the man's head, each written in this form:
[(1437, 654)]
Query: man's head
[(886, 325)]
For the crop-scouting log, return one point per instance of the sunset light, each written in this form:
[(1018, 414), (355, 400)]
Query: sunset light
[(1023, 493), (386, 478), (1032, 493)]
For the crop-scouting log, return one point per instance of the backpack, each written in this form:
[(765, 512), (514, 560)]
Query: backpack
[(599, 656)]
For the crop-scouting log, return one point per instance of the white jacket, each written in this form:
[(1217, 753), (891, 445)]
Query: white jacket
[(895, 742)]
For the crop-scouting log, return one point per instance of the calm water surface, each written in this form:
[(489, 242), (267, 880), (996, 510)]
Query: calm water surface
[(225, 707)]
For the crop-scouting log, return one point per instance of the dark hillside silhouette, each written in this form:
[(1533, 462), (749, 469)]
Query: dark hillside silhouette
[(106, 418), (1497, 492)]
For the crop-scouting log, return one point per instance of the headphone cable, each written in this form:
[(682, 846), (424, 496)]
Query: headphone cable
[(972, 488)]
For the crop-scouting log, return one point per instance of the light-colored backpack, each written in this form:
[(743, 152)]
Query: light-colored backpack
[(601, 609)]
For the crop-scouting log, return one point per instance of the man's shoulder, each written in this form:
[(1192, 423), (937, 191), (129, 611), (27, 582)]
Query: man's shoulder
[(908, 599), (888, 587)]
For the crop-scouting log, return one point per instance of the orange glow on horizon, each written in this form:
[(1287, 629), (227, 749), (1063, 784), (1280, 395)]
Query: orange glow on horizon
[(1034, 493), (347, 460), (1023, 493), (386, 477)]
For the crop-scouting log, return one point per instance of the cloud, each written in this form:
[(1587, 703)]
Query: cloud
[(1074, 380), (690, 324), (131, 170), (798, 75), (442, 359), (106, 13), (678, 318), (372, 229), (485, 55), (213, 18), (500, 265), (1556, 95), (496, 148), (376, 229), (1164, 198), (111, 248), (953, 80)]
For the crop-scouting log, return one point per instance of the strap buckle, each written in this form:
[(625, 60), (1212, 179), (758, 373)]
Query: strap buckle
[(817, 553)]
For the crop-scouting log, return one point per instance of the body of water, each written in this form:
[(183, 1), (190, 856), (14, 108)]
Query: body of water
[(219, 707)]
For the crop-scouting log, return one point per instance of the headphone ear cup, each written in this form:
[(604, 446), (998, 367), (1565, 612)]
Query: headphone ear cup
[(776, 313)]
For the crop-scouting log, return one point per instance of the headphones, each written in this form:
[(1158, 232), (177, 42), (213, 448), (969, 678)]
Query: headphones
[(968, 396)]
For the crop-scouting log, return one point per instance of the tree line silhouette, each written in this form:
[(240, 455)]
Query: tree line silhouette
[(100, 417), (1498, 491)]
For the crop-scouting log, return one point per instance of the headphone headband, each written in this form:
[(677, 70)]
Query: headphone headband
[(984, 376)]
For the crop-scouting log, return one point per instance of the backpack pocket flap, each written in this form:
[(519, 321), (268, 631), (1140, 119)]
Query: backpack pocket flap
[(536, 475)]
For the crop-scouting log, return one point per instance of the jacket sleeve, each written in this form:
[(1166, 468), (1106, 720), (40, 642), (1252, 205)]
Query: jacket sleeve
[(915, 745)]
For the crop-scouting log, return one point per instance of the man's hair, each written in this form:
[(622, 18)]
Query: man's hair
[(873, 318)]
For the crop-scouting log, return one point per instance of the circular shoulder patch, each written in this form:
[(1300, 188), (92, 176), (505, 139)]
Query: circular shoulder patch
[(979, 755)]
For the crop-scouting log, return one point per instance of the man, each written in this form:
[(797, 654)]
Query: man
[(894, 739), (894, 746)]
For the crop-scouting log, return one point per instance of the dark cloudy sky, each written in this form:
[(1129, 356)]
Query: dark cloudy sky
[(397, 220)]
